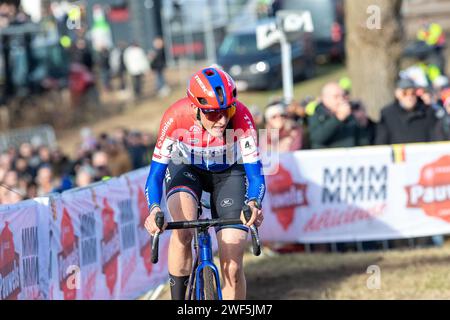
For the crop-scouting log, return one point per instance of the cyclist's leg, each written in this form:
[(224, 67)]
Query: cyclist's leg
[(183, 191), (227, 200), (232, 244)]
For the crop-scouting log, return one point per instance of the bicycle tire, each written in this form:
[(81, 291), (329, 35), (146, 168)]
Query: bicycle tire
[(209, 284)]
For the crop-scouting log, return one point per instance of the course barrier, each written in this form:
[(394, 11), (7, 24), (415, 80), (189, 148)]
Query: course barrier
[(91, 243)]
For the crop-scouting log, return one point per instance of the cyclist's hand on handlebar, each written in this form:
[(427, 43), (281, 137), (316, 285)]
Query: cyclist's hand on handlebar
[(150, 223), (257, 216)]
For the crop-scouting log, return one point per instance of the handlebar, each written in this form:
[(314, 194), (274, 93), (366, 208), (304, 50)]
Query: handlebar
[(256, 243), (159, 219), (204, 223)]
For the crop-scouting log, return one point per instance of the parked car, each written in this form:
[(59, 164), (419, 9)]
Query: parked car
[(262, 69), (328, 21)]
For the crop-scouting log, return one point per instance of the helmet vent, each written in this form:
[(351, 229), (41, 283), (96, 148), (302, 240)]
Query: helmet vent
[(234, 93), (210, 72), (203, 101), (219, 91)]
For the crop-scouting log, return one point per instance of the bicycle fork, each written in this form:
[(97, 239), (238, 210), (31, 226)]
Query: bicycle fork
[(205, 260)]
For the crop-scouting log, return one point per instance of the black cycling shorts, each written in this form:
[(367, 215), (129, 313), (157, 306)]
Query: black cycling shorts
[(227, 189)]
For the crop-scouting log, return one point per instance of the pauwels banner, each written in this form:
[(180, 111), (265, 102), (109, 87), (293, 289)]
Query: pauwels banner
[(359, 194), (91, 243), (22, 251), (146, 275), (100, 248)]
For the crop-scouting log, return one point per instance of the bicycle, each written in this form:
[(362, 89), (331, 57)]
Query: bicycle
[(204, 282)]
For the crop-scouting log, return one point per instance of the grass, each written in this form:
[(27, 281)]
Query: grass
[(409, 274), (404, 274)]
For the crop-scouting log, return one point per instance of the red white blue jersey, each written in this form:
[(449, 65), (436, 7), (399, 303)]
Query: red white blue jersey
[(183, 140)]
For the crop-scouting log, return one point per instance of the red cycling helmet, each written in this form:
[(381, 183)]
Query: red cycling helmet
[(212, 89)]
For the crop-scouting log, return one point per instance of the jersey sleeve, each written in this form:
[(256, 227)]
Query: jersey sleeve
[(248, 145), (161, 157)]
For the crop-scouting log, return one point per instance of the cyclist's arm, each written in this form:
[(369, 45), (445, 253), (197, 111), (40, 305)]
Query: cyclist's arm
[(153, 186), (256, 182), (160, 160), (250, 156)]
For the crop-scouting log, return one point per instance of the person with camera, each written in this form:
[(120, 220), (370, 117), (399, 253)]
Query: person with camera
[(333, 125), (406, 120)]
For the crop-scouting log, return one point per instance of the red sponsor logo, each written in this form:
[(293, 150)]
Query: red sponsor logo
[(9, 266), (145, 244), (432, 192), (285, 196), (334, 218), (68, 257), (110, 246)]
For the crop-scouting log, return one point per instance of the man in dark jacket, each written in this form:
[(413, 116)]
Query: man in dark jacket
[(158, 65), (443, 124), (407, 120), (333, 124)]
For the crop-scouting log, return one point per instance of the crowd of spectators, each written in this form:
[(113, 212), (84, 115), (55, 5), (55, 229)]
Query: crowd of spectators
[(335, 120), (31, 171), (10, 14)]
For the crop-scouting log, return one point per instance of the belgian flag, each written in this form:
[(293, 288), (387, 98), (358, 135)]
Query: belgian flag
[(398, 153)]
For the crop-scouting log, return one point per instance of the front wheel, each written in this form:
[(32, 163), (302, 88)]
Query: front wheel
[(209, 283)]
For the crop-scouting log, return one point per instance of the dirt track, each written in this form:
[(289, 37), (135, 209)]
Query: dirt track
[(407, 274)]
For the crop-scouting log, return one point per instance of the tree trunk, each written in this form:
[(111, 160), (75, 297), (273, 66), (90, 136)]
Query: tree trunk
[(374, 45)]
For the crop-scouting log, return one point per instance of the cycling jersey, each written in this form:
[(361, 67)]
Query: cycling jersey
[(182, 139)]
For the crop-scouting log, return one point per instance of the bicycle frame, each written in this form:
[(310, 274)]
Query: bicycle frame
[(204, 259), (203, 248)]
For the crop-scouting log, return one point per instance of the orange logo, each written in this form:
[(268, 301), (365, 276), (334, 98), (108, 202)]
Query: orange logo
[(432, 192)]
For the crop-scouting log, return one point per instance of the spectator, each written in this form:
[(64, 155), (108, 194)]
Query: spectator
[(257, 117), (158, 65), (137, 65), (100, 164), (11, 179), (32, 190), (83, 55), (120, 134), (296, 111), (85, 176), (332, 125), (119, 161), (289, 133), (44, 155), (443, 125), (88, 141), (10, 195), (45, 181), (407, 119), (366, 127), (105, 68), (118, 64), (137, 150), (149, 141), (23, 170)]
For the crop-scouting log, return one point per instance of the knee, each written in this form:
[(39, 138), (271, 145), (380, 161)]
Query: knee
[(183, 237), (233, 271)]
